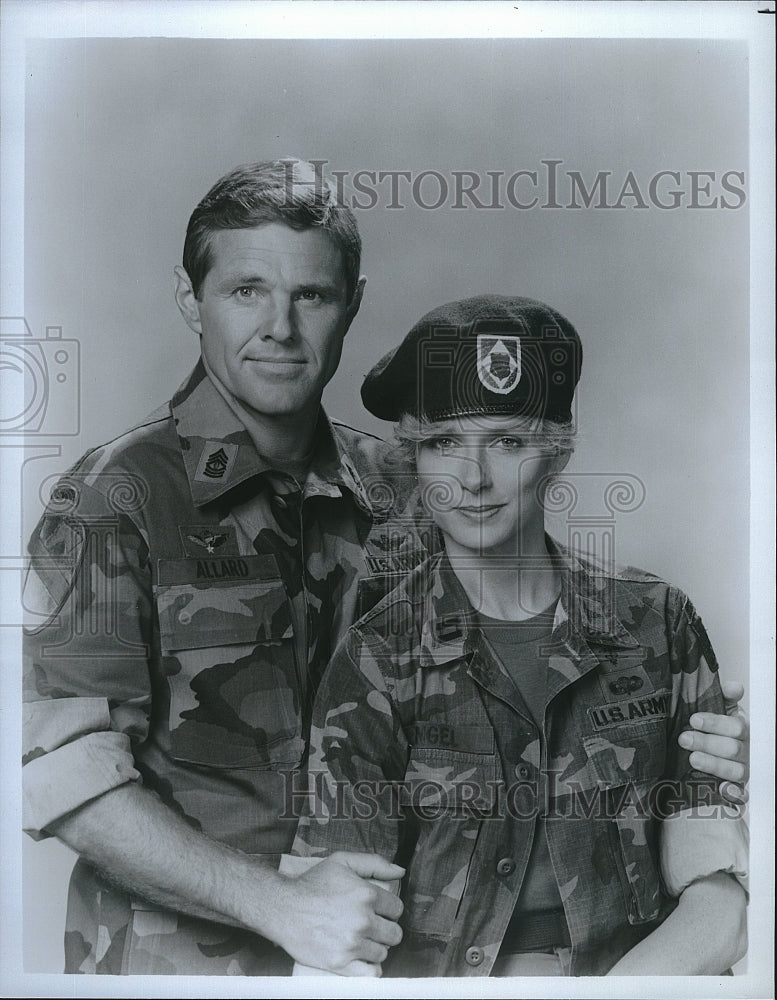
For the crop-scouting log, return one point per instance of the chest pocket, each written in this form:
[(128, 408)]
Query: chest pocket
[(628, 760), (626, 740), (446, 795), (226, 636)]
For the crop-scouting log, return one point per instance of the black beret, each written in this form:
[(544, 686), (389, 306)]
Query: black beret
[(491, 354)]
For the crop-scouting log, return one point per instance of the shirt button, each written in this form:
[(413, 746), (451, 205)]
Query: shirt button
[(523, 771), (184, 617), (506, 866), (474, 956)]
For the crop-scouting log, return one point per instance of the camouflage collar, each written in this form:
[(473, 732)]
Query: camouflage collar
[(332, 470), (218, 452), (587, 599), (586, 609)]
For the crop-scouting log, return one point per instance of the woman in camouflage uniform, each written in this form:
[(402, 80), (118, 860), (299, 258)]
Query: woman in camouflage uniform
[(505, 724)]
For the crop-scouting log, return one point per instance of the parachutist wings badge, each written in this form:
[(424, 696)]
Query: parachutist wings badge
[(499, 362)]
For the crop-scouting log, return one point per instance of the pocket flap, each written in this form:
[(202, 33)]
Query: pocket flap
[(451, 781), (220, 601), (634, 750)]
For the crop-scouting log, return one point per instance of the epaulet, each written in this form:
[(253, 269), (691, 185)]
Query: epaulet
[(612, 570), (633, 574), (132, 435), (354, 431)]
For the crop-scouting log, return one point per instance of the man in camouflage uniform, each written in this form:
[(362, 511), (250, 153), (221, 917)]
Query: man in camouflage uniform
[(189, 581), (562, 781)]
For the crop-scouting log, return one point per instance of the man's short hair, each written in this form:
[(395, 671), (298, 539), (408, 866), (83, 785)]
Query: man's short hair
[(290, 191)]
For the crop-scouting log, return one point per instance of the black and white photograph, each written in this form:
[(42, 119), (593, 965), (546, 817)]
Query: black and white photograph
[(387, 554)]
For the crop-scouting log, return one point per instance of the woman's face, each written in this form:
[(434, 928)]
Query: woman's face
[(481, 479)]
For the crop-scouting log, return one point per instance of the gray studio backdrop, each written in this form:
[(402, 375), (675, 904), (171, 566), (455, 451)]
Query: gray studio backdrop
[(124, 136)]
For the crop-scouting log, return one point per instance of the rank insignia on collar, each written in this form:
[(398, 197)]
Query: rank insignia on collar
[(450, 629), (216, 461), (499, 362)]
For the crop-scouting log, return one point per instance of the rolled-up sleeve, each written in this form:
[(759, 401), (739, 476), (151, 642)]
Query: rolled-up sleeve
[(73, 757), (87, 688), (704, 833), (694, 846)]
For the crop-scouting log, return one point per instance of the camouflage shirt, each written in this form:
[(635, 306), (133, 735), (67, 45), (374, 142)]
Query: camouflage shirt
[(423, 750), (183, 602)]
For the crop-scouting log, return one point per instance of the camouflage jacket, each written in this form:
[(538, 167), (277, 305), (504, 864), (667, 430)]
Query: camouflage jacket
[(183, 602), (423, 750)]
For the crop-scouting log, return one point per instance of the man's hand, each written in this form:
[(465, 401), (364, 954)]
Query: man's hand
[(721, 744), (333, 918)]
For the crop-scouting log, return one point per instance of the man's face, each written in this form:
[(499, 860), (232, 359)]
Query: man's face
[(271, 315), (482, 479)]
